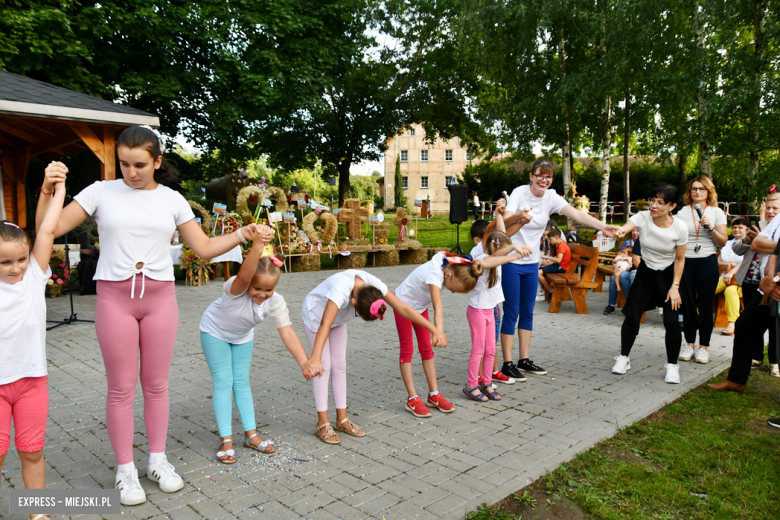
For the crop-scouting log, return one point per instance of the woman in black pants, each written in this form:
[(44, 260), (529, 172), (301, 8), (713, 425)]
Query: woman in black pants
[(659, 279), (705, 235)]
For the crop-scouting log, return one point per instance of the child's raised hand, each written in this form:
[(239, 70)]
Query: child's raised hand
[(439, 339), (523, 251), (265, 234), (501, 207), (56, 172)]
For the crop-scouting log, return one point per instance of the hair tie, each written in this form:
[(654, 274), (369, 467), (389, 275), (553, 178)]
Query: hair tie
[(374, 310), (472, 272), (276, 261), (772, 189), (11, 224), (496, 243)]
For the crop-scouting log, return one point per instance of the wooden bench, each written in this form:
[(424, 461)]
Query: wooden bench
[(602, 271), (572, 286)]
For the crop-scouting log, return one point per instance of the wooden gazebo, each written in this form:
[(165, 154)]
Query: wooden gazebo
[(43, 122)]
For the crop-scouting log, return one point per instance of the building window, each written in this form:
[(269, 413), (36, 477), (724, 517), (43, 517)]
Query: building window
[(448, 155), (406, 183), (424, 183), (468, 155), (450, 181), (404, 156), (424, 155), (411, 132)]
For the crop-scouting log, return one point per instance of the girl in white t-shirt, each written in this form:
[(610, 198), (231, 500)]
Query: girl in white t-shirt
[(420, 289), (137, 317), (326, 311), (227, 337), (24, 397), (499, 250)]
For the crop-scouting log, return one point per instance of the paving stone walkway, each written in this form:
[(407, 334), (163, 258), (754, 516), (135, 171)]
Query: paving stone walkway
[(405, 468)]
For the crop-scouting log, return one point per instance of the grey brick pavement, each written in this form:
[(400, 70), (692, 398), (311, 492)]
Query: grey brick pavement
[(405, 468)]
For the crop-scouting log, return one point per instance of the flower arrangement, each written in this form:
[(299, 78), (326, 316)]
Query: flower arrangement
[(205, 216), (60, 274), (260, 193), (641, 204), (194, 266)]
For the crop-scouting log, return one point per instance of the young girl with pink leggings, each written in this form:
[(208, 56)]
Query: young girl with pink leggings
[(326, 312), (137, 315), (24, 397)]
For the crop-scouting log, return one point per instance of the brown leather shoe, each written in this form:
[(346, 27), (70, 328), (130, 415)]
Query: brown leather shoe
[(727, 385)]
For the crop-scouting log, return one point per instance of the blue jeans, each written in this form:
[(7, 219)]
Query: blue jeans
[(229, 365), (497, 317), (626, 279), (519, 282)]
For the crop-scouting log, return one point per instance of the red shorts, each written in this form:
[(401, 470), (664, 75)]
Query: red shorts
[(27, 401)]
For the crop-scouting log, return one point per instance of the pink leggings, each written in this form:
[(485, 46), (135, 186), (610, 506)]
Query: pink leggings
[(482, 323), (404, 328), (126, 326), (334, 359)]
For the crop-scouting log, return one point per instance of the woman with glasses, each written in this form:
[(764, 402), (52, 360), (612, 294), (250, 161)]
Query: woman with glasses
[(659, 278), (705, 235), (530, 205)]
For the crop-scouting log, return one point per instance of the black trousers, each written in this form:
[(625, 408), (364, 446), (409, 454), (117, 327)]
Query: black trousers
[(749, 338), (701, 275), (649, 291)]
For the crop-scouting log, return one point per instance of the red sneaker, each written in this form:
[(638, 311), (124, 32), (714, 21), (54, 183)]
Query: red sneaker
[(501, 378), (440, 402), (417, 408)]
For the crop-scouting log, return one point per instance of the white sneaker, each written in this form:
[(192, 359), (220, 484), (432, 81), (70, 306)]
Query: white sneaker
[(622, 363), (130, 491), (164, 474), (702, 356), (672, 373), (686, 353)]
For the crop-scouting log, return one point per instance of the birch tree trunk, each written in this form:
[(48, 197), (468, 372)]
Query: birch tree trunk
[(626, 141), (704, 138), (755, 109), (605, 168)]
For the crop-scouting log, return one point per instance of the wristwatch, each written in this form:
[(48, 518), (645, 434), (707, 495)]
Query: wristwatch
[(776, 279)]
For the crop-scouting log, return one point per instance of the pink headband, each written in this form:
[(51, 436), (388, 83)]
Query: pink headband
[(276, 261), (375, 309), (11, 224)]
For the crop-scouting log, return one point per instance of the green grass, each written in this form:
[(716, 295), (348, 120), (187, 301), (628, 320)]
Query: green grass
[(435, 232), (708, 455)]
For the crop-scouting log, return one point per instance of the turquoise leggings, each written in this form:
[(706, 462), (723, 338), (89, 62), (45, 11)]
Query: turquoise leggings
[(229, 365)]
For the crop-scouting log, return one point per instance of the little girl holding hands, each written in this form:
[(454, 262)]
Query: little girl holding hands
[(326, 311), (24, 396), (227, 338), (422, 288), (487, 295)]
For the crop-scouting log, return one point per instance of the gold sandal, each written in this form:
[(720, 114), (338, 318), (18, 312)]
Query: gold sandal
[(324, 431), (353, 431), (41, 517)]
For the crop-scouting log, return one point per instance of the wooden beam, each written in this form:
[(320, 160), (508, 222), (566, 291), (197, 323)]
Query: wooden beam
[(90, 139), (22, 163), (18, 133), (12, 209), (59, 141), (108, 168), (38, 127)]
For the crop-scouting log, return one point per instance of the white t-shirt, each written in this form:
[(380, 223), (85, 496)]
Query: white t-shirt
[(541, 209), (23, 330), (727, 255), (477, 250), (485, 297), (414, 291), (134, 226), (770, 232), (338, 289), (691, 219), (232, 318), (659, 245)]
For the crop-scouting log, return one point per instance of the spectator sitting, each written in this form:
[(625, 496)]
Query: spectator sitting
[(626, 277), (631, 241), (623, 262), (728, 264), (560, 259)]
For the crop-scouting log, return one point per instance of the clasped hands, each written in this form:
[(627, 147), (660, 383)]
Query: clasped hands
[(258, 233)]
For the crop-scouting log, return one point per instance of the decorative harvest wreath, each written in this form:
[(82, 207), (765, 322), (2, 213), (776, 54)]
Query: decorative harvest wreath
[(276, 195), (331, 226), (204, 215)]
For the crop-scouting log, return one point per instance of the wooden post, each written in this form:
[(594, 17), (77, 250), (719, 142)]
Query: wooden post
[(108, 168), (22, 163)]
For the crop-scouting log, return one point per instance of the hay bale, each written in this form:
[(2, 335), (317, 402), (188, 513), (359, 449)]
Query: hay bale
[(385, 258), (310, 262), (433, 250), (355, 260), (413, 256)]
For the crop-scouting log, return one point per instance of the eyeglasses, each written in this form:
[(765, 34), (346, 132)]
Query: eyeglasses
[(543, 177), (699, 189), (658, 202)]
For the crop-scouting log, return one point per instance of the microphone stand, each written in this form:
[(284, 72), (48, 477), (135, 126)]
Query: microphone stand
[(73, 318)]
